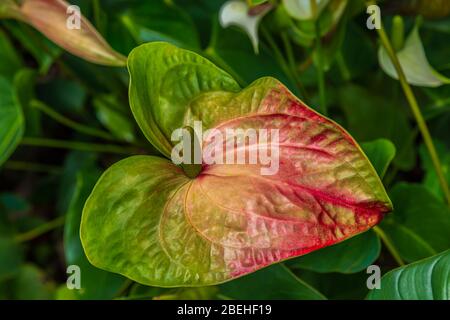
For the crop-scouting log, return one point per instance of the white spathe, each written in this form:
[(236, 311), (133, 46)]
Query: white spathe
[(235, 13), (302, 10), (414, 62)]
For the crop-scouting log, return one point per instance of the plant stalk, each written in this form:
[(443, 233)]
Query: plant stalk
[(391, 248), (416, 111), (40, 230), (292, 65), (77, 145)]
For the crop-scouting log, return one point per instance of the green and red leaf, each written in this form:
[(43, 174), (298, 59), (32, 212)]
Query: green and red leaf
[(147, 220)]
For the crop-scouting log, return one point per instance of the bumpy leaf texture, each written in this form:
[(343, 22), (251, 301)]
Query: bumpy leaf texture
[(52, 18), (146, 220)]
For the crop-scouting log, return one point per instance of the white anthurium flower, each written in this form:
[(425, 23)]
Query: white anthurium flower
[(302, 9), (414, 62), (236, 13)]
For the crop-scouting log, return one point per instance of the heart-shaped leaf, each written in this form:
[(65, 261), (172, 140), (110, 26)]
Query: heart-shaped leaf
[(427, 279), (53, 18), (147, 220), (414, 62)]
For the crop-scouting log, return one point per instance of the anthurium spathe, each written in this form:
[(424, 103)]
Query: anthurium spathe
[(414, 62), (67, 27), (147, 220)]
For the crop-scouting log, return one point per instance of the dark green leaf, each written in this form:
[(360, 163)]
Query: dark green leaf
[(274, 282), (162, 21), (10, 61), (420, 224), (380, 153), (95, 283), (370, 117), (31, 284), (427, 279), (12, 124)]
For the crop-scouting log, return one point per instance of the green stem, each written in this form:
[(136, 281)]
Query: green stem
[(343, 68), (292, 64), (70, 123), (32, 167), (40, 230), (122, 290), (416, 112), (76, 145), (280, 58), (389, 245), (97, 16)]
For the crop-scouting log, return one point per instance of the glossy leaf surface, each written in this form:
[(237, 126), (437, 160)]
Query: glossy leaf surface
[(427, 279), (355, 254), (145, 219)]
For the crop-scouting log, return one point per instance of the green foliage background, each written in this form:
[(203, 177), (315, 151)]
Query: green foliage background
[(70, 119)]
